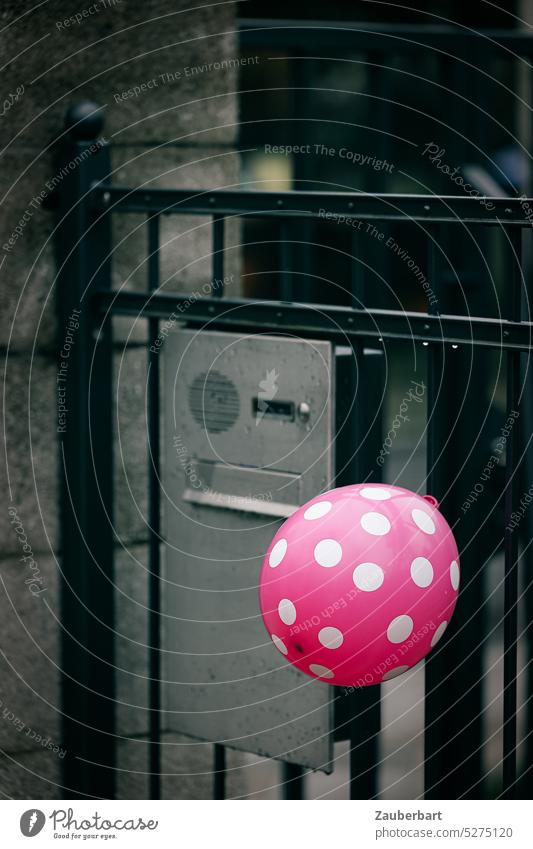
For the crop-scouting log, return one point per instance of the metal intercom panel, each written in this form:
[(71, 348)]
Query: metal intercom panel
[(248, 438)]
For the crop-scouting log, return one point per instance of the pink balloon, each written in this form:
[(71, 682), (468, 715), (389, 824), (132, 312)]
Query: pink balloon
[(360, 583)]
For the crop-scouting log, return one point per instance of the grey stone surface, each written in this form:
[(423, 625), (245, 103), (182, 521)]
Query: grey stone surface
[(30, 709), (31, 775), (133, 769), (194, 113), (30, 480), (33, 460), (27, 305), (123, 46)]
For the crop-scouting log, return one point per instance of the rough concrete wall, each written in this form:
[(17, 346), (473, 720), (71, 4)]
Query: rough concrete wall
[(179, 130)]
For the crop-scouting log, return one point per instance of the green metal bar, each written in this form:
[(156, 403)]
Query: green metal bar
[(85, 445), (399, 38), (293, 781), (512, 484), (332, 322), (334, 207)]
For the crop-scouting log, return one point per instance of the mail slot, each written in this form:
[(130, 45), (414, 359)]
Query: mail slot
[(244, 488)]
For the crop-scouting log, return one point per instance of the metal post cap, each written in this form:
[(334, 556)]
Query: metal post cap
[(84, 120)]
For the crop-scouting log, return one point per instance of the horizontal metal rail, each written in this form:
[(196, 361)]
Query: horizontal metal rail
[(330, 206), (375, 36), (330, 321)]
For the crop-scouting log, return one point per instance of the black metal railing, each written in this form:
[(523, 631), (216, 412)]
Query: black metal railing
[(454, 680), (380, 37)]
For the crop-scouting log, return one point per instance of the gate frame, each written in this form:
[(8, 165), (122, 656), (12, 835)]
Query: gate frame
[(87, 198)]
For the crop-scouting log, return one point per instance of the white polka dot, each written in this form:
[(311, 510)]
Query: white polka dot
[(331, 638), (375, 493), (316, 511), (328, 552), (287, 611), (454, 574), (393, 673), (368, 577), (421, 571), (320, 671), (399, 629), (423, 521), (375, 523), (280, 645), (278, 553), (438, 633)]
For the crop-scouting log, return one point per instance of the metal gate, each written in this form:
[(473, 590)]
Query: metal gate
[(88, 200)]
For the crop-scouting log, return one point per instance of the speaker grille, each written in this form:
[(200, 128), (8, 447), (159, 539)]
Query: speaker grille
[(214, 401)]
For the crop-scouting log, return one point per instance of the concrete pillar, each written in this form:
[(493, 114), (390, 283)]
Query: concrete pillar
[(165, 72)]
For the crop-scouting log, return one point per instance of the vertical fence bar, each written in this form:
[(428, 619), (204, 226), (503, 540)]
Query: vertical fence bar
[(357, 273), (219, 222), (365, 703), (512, 478), (293, 781), (435, 366), (219, 782), (526, 534), (286, 260), (364, 729), (309, 289), (86, 461), (434, 732), (379, 117), (219, 751), (434, 740), (293, 774), (154, 589), (477, 535), (299, 229), (458, 449), (526, 431)]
